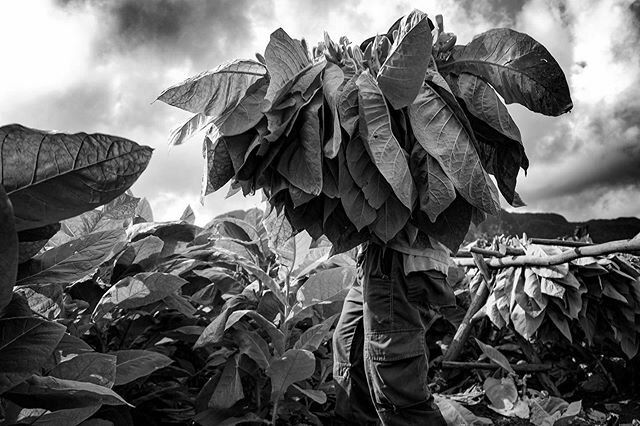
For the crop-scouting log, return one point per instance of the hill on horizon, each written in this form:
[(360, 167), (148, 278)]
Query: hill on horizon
[(553, 225)]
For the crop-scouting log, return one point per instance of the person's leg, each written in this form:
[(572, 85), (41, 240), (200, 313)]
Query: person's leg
[(353, 404), (394, 353)]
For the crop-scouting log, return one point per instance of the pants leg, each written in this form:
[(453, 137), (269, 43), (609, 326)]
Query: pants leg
[(353, 404), (395, 358)]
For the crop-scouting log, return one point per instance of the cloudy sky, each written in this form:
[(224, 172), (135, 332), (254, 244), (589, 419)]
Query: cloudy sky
[(98, 65)]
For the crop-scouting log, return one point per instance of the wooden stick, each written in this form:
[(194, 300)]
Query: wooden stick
[(521, 368), (622, 246), (564, 243), (463, 331)]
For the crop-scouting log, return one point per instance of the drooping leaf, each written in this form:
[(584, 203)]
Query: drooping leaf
[(391, 219), (402, 73), (435, 190), (451, 226), (53, 394), (218, 165), (217, 91), (518, 67), (247, 113), (315, 395), (8, 250), (324, 287), (70, 261), (139, 290), (25, 346), (332, 81), (348, 106), (250, 343), (357, 208), (561, 323), (498, 138), (91, 367), (375, 188), (53, 176), (384, 149), (284, 58), (301, 163), (293, 366), (276, 336), (143, 211), (132, 364), (455, 413), (443, 135)]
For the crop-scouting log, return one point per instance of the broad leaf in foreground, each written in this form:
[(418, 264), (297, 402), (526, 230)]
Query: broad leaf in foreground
[(294, 365), (383, 147), (8, 250), (133, 364), (518, 67), (53, 176), (53, 394), (443, 135), (25, 346), (435, 190), (70, 261), (92, 367), (402, 73), (217, 91)]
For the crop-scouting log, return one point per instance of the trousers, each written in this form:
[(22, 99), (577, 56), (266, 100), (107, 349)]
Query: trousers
[(380, 357)]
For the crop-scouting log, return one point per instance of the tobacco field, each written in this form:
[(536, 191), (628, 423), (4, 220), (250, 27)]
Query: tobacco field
[(108, 317)]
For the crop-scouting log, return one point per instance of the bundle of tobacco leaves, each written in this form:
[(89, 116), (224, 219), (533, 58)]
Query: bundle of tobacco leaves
[(392, 138)]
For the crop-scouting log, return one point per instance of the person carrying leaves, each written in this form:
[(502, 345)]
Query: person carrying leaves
[(387, 145)]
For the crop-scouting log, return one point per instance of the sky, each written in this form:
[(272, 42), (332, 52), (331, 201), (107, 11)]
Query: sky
[(98, 66)]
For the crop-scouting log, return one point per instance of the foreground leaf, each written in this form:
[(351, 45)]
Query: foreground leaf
[(496, 356), (53, 394), (229, 389), (8, 250), (133, 364), (293, 366), (54, 176), (25, 346), (71, 261), (67, 417), (455, 414), (381, 144), (402, 73), (218, 165), (435, 190), (217, 91), (518, 67)]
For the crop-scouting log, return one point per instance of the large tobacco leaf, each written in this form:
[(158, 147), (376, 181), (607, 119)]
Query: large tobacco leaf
[(499, 142), (8, 250), (375, 188), (301, 162), (192, 126), (451, 226), (53, 394), (284, 57), (402, 73), (518, 67), (348, 105), (356, 206), (26, 344), (91, 367), (54, 176), (445, 136), (391, 218), (332, 82), (383, 147), (435, 190), (293, 366), (247, 113), (70, 261), (31, 241), (215, 92)]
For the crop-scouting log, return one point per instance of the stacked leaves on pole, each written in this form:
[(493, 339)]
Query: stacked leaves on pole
[(363, 142)]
